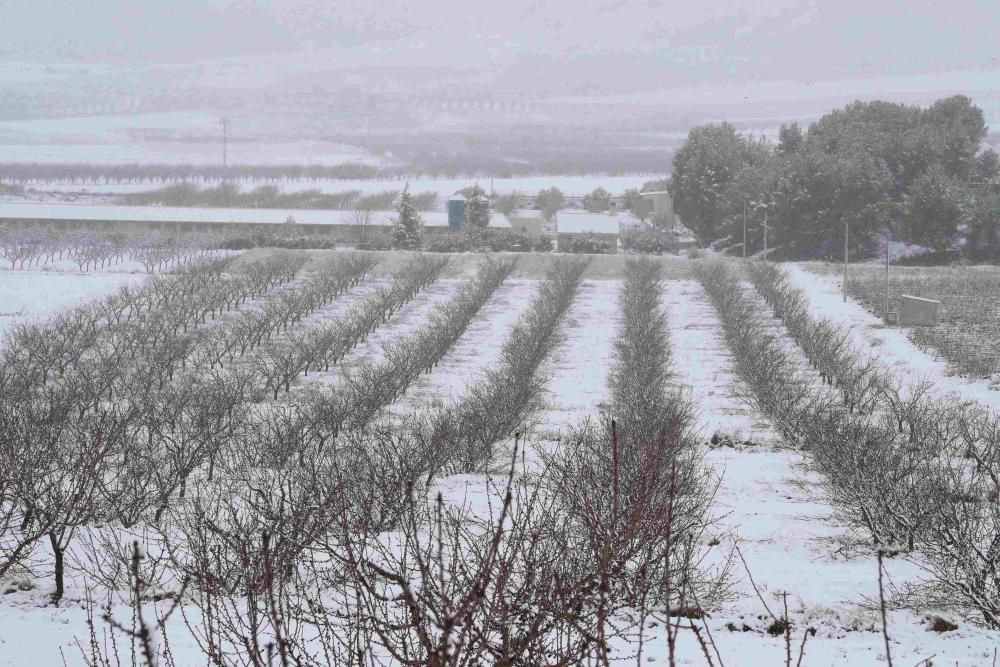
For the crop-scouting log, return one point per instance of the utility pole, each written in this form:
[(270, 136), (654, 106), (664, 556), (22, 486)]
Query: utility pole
[(765, 232), (888, 239), (225, 140), (846, 232), (744, 229)]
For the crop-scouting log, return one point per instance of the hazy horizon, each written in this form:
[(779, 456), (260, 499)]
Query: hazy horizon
[(394, 74)]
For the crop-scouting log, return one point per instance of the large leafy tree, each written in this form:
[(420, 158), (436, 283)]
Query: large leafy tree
[(703, 168), (934, 208), (869, 166), (597, 201), (789, 138), (549, 201), (753, 185), (960, 128), (983, 219)]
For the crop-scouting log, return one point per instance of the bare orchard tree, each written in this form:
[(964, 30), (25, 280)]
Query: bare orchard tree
[(361, 219)]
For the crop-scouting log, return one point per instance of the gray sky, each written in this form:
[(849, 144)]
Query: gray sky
[(591, 41), (335, 67)]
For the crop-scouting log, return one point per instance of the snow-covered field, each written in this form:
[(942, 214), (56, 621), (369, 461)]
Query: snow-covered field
[(891, 344), (29, 295), (771, 511), (160, 138), (578, 369), (476, 351), (704, 369), (444, 187)]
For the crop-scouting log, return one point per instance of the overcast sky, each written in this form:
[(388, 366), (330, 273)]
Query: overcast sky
[(685, 42)]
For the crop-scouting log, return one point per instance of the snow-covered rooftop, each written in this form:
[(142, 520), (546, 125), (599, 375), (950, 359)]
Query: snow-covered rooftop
[(98, 212), (597, 223), (528, 214)]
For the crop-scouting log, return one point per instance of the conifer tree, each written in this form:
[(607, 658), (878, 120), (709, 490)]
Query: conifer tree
[(477, 209), (407, 226)]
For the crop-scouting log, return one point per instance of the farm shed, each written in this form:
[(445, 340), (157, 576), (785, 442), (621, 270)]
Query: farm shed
[(915, 311), (685, 239), (334, 224), (657, 202), (456, 212), (605, 227), (530, 222)]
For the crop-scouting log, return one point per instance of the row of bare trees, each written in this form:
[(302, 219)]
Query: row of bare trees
[(26, 247), (38, 351), (25, 173), (321, 346), (343, 555), (73, 398), (917, 472), (635, 479), (465, 434), (198, 418), (230, 508)]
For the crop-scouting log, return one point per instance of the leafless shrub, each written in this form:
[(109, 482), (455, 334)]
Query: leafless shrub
[(493, 408), (911, 469)]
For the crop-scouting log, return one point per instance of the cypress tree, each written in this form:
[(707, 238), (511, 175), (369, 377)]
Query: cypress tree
[(407, 226), (477, 209)]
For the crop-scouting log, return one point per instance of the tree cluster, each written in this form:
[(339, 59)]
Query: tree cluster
[(26, 247), (919, 173), (230, 195)]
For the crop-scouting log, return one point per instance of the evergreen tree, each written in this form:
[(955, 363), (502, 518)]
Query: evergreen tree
[(934, 209), (983, 215), (477, 208), (703, 169), (789, 138), (407, 226)]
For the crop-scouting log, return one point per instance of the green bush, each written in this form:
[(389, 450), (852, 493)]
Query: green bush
[(591, 245), (647, 243)]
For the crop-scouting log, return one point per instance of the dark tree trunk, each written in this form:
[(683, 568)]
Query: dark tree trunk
[(57, 551)]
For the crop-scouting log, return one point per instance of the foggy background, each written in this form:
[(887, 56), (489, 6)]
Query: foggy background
[(515, 85)]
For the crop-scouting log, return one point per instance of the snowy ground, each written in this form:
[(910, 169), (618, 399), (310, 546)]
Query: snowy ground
[(894, 348), (477, 349), (773, 508), (768, 502), (704, 368), (578, 368), (27, 295), (159, 138), (406, 321)]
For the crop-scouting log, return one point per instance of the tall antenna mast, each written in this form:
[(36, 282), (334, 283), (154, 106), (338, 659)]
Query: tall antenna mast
[(225, 138)]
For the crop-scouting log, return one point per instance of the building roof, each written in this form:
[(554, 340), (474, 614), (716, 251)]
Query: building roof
[(596, 223), (527, 214), (32, 210), (654, 192)]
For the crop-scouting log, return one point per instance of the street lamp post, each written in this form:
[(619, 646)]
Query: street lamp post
[(888, 241), (744, 229), (846, 232), (765, 232)]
